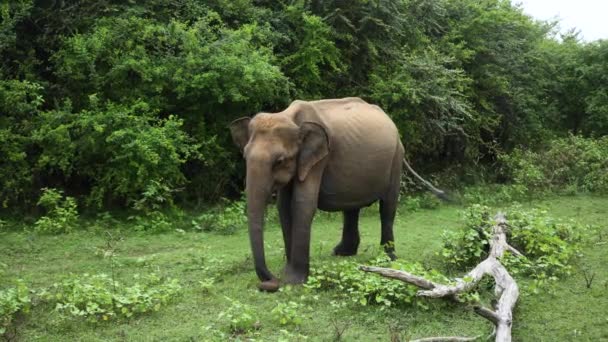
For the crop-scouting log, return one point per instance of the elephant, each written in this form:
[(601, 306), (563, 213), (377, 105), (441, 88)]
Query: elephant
[(333, 155)]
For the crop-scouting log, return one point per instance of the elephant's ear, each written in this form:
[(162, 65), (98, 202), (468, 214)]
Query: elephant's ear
[(240, 132), (313, 148)]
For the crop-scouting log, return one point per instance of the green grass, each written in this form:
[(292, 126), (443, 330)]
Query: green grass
[(570, 312)]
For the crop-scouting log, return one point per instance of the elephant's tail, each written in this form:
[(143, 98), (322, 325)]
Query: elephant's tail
[(437, 192)]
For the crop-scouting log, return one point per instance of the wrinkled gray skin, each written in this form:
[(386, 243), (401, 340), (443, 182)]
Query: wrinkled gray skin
[(334, 155)]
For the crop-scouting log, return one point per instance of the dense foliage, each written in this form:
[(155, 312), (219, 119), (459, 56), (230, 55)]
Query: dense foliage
[(101, 298), (350, 283), (568, 164), (61, 214), (549, 246), (13, 300), (126, 103)]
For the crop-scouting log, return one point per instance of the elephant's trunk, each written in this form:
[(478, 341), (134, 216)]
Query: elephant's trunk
[(258, 191)]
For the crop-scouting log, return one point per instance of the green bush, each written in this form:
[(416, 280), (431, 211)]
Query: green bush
[(369, 289), (240, 318), (429, 201), (172, 63), (62, 213), (494, 194), (127, 104), (224, 219), (548, 245), (124, 151), (288, 313), (412, 203), (13, 300), (100, 298), (421, 201), (572, 163), (20, 102), (152, 222)]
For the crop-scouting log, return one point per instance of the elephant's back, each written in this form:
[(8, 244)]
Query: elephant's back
[(354, 120), (364, 142)]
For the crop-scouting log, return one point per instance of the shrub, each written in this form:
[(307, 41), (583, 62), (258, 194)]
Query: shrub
[(19, 105), (124, 151), (224, 219), (288, 313), (13, 301), (429, 201), (241, 318), (198, 68), (548, 245), (565, 164), (99, 297), (412, 203), (421, 201), (62, 213), (366, 289), (494, 194), (152, 222)]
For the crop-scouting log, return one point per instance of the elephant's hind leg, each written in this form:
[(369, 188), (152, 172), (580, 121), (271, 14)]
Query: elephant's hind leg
[(388, 210), (350, 234), (388, 207)]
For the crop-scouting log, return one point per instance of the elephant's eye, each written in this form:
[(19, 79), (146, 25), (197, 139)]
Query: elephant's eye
[(279, 161)]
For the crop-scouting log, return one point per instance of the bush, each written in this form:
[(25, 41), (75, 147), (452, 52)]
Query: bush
[(572, 163), (494, 194), (152, 222), (62, 213), (429, 201), (199, 69), (13, 301), (456, 95), (224, 219), (100, 298), (241, 318), (412, 203), (125, 152), (421, 201), (288, 313), (19, 105), (468, 245), (548, 245), (367, 289)]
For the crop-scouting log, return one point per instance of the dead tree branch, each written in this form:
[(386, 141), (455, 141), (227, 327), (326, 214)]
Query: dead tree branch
[(446, 339), (506, 288)]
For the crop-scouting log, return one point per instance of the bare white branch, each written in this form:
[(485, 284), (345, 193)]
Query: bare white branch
[(446, 339), (506, 288)]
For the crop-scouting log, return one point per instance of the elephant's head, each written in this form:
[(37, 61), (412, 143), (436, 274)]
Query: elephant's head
[(278, 149)]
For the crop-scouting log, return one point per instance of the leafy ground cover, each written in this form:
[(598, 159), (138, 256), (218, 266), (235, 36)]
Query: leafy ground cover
[(218, 299)]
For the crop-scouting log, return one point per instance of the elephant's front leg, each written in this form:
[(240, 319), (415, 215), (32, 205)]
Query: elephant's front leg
[(304, 205), (284, 205)]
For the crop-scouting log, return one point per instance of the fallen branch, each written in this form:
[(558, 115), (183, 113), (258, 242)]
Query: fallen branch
[(506, 288), (446, 339)]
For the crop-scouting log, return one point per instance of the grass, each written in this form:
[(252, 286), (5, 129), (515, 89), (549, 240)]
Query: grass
[(571, 311)]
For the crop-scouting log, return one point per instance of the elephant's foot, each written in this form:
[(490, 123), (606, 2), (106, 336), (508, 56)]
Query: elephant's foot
[(343, 249), (295, 277), (390, 252), (392, 255), (271, 285)]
